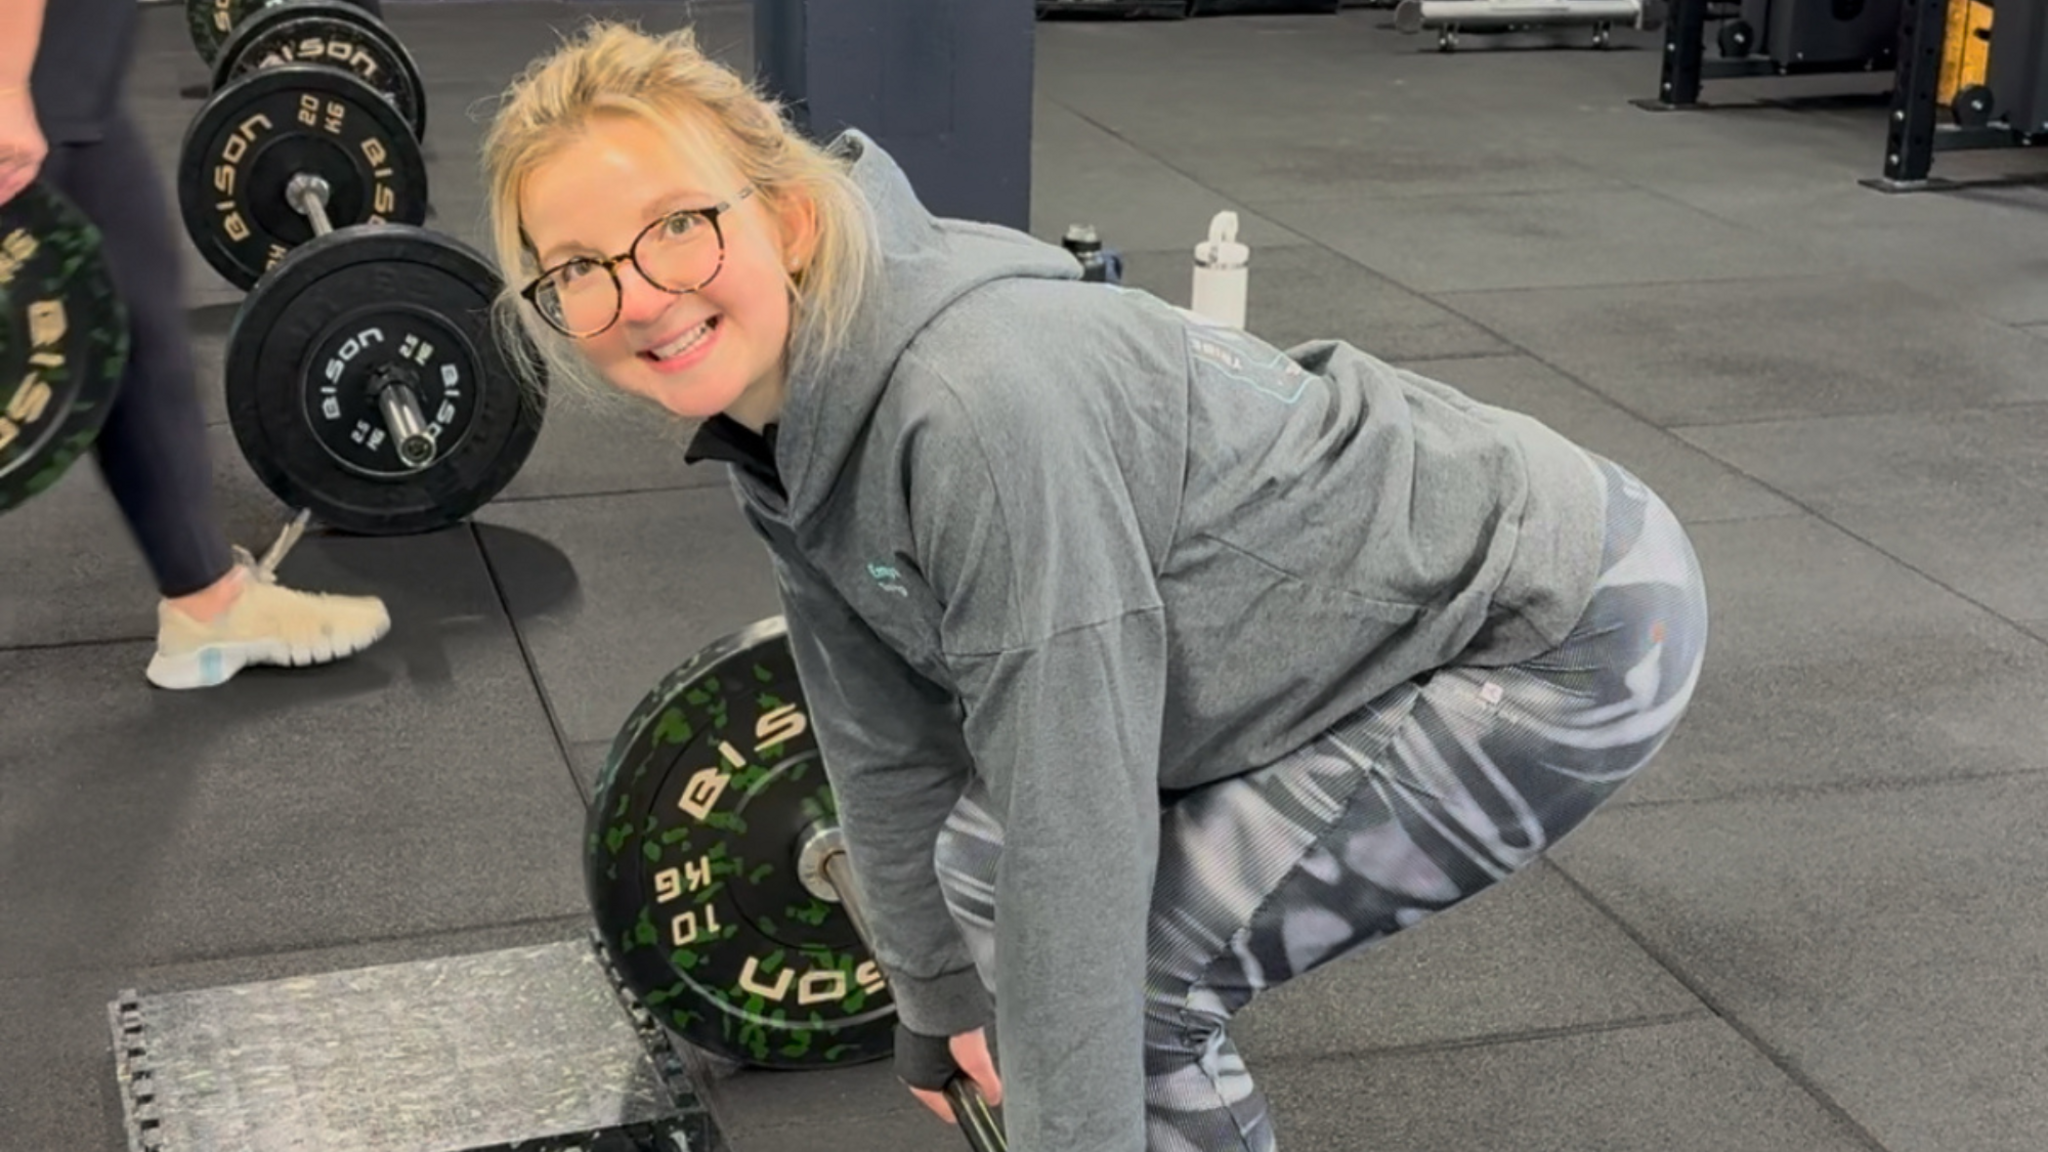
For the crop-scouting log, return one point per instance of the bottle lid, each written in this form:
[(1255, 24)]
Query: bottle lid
[(1221, 249), (1082, 237)]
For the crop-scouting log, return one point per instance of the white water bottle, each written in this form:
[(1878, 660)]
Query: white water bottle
[(1221, 274)]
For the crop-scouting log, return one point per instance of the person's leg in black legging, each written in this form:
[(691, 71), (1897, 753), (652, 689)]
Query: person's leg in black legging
[(222, 610), (153, 450)]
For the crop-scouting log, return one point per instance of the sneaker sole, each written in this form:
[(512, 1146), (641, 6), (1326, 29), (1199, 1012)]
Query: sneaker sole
[(216, 664)]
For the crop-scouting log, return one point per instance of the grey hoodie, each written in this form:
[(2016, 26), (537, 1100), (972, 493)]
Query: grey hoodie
[(1074, 540)]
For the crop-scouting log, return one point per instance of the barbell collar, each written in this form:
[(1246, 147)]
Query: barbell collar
[(405, 422), (308, 195)]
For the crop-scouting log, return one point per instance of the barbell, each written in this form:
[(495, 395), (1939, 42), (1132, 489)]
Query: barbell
[(719, 881), (364, 378), (259, 131)]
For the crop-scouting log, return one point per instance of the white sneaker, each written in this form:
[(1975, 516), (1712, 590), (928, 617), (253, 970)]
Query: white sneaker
[(268, 624)]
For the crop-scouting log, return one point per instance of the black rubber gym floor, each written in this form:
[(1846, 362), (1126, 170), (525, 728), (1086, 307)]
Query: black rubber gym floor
[(1816, 925)]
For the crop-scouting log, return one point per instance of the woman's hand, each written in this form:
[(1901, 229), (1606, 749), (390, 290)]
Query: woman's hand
[(22, 146), (926, 1063)]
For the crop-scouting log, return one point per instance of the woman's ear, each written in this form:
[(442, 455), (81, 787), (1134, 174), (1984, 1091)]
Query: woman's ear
[(797, 217)]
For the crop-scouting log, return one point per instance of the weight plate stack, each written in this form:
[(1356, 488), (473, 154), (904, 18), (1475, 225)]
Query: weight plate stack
[(330, 32), (258, 133), (211, 22)]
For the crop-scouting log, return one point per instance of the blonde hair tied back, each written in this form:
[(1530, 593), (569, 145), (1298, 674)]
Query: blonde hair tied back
[(665, 79)]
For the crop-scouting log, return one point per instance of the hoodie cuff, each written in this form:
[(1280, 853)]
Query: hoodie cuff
[(945, 1005)]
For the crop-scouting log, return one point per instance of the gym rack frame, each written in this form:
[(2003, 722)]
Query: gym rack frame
[(2018, 83), (1686, 67)]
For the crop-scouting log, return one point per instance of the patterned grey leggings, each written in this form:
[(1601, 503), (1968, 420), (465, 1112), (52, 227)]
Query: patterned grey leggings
[(1433, 793)]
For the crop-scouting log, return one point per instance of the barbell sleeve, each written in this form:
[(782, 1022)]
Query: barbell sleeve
[(307, 195), (977, 1121)]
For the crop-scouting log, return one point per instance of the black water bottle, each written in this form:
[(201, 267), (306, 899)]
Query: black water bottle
[(1099, 264)]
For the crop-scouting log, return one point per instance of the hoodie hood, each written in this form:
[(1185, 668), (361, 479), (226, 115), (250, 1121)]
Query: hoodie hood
[(925, 264)]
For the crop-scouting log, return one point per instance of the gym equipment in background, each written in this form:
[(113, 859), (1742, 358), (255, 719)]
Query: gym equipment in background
[(1987, 69), (365, 379), (1765, 38), (1449, 18)]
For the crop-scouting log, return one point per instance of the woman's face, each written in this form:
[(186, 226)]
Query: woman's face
[(719, 349)]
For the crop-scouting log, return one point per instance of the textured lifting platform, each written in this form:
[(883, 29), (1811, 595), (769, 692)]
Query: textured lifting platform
[(521, 1050)]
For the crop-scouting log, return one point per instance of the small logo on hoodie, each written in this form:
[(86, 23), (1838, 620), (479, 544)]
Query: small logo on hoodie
[(888, 579), (1270, 371)]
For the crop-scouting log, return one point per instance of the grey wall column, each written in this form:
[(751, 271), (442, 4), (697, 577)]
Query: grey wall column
[(2019, 66), (944, 85)]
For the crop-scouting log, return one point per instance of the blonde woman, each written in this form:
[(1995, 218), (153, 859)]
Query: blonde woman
[(1152, 666)]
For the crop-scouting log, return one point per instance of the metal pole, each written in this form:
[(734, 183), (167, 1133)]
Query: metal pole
[(1685, 46), (977, 1121), (1909, 137), (307, 194)]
